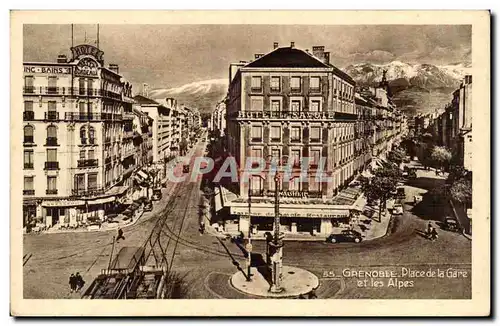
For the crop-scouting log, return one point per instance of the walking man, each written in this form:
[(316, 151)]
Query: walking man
[(429, 228), (79, 282), (120, 235), (72, 283)]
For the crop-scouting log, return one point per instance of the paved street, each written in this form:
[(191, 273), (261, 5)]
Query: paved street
[(207, 264)]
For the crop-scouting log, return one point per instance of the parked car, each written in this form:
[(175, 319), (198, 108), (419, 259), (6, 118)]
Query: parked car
[(400, 192), (451, 224), (345, 236), (397, 209), (185, 168)]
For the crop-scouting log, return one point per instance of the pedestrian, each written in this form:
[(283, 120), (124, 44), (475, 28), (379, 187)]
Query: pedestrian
[(120, 235), (301, 296), (72, 283), (79, 282), (434, 234), (312, 294), (429, 228)]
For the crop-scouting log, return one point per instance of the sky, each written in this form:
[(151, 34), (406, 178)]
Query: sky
[(166, 56)]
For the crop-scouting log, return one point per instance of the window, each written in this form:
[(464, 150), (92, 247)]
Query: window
[(81, 84), (52, 89), (295, 84), (314, 185), (295, 106), (28, 106), (80, 181), (83, 135), (315, 156), (256, 83), (81, 107), (315, 135), (255, 154), (294, 184), (28, 183), (257, 133), (91, 135), (315, 106), (275, 133), (28, 159), (51, 184), (275, 84), (295, 134), (275, 106), (92, 178), (256, 186), (28, 134), (82, 155), (28, 84), (315, 84), (276, 155), (90, 154), (52, 106), (51, 155), (90, 86), (257, 104), (295, 157)]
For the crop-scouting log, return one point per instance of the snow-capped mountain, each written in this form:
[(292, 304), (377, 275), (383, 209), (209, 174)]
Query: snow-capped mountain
[(203, 95), (421, 75)]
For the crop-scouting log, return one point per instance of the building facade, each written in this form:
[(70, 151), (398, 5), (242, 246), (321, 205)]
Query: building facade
[(73, 123), (283, 107)]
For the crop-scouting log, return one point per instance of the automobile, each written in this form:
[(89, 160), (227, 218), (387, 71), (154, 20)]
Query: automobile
[(156, 194), (345, 236), (148, 206), (400, 192), (417, 199), (397, 209), (451, 224), (185, 168)]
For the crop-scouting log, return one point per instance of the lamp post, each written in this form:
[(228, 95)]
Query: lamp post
[(276, 246), (249, 244)]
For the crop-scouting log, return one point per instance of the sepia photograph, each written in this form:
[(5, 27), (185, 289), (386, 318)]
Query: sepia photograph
[(225, 160)]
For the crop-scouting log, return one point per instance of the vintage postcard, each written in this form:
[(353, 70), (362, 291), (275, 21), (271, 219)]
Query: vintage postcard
[(195, 163)]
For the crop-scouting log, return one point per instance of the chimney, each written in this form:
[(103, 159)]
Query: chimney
[(114, 67), (292, 44), (319, 52), (62, 58), (275, 45), (258, 55)]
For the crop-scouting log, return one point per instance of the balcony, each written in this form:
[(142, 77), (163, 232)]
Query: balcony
[(51, 165), (79, 116), (28, 166), (88, 163), (91, 191), (51, 192), (51, 141), (52, 115), (295, 140), (28, 140), (256, 192), (29, 192), (29, 90), (28, 115), (257, 139)]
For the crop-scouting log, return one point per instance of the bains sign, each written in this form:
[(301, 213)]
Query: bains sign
[(89, 57)]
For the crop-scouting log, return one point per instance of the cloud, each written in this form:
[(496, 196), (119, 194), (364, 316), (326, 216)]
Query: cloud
[(375, 56)]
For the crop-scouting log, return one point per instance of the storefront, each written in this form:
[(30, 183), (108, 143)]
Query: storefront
[(295, 218)]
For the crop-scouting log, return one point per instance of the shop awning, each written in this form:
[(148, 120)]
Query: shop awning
[(292, 212), (63, 203), (117, 190), (102, 200)]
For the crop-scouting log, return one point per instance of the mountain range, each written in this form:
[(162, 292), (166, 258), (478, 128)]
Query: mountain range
[(416, 88)]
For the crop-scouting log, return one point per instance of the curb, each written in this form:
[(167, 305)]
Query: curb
[(467, 236)]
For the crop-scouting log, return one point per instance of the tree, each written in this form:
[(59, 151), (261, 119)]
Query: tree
[(441, 156), (461, 191), (397, 155), (382, 185)]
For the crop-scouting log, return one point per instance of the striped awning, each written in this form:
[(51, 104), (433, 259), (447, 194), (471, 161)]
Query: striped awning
[(101, 200), (63, 203)]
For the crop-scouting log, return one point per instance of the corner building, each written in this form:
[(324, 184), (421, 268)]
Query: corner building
[(73, 135), (287, 105)]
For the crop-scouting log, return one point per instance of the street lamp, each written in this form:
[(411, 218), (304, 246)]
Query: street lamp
[(276, 246)]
